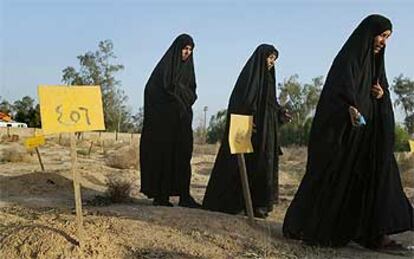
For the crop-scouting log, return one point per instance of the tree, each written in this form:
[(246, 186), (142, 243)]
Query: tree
[(137, 120), (200, 130), (5, 106), (301, 101), (216, 127), (27, 112), (96, 69), (404, 90)]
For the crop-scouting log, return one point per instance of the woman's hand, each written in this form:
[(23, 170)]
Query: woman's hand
[(354, 114), (287, 117), (377, 91)]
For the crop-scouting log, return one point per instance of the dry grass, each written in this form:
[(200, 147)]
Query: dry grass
[(83, 152), (206, 149), (405, 162), (112, 144), (118, 190), (294, 153), (292, 164), (125, 157), (407, 179), (14, 153), (85, 144), (4, 138), (11, 138)]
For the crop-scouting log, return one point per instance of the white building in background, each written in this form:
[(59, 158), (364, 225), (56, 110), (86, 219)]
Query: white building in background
[(12, 124)]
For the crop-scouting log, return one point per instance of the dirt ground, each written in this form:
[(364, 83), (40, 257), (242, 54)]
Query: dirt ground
[(37, 215)]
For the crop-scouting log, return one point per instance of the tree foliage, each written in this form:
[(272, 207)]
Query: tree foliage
[(301, 101), (216, 127), (404, 90), (96, 68)]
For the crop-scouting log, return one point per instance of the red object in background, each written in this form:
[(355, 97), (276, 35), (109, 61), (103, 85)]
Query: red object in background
[(5, 117)]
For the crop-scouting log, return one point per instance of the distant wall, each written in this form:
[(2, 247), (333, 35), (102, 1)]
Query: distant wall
[(27, 132)]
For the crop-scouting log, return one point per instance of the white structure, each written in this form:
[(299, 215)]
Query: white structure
[(12, 124)]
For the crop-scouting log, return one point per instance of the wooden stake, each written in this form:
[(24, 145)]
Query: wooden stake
[(101, 141), (246, 188), (60, 138), (40, 159), (76, 188), (90, 148)]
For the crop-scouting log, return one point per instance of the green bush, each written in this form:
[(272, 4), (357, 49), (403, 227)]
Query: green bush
[(401, 139), (216, 127)]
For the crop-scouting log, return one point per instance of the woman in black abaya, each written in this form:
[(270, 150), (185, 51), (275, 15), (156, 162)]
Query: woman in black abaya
[(352, 188), (254, 94), (167, 138)]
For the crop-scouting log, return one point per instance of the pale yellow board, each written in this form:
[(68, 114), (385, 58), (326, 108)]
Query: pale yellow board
[(240, 134), (411, 142), (33, 142), (70, 108)]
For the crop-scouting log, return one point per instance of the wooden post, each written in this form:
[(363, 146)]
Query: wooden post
[(116, 135), (76, 188), (40, 159), (246, 188), (101, 142), (90, 148), (8, 131), (60, 138)]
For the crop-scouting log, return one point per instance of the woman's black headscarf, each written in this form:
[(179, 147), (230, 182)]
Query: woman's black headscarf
[(246, 95), (352, 188), (172, 78), (254, 89), (166, 139), (254, 94)]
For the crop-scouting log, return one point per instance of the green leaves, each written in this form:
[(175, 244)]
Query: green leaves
[(301, 101), (403, 88), (96, 68)]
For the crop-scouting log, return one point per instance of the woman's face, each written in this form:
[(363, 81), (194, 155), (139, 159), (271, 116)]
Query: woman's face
[(270, 61), (186, 52), (380, 41)]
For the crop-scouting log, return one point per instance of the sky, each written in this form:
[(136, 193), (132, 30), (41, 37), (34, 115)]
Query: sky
[(39, 38)]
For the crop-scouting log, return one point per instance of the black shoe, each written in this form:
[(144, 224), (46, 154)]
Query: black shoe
[(260, 213), (162, 202), (189, 202)]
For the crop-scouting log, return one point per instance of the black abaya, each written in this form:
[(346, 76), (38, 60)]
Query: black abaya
[(167, 138), (352, 188), (254, 94)]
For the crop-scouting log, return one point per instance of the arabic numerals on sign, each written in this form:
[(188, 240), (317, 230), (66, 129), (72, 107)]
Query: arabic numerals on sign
[(81, 114)]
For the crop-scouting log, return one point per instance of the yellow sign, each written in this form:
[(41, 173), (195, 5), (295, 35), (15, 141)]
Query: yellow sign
[(34, 142), (240, 134), (411, 142), (70, 108)]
